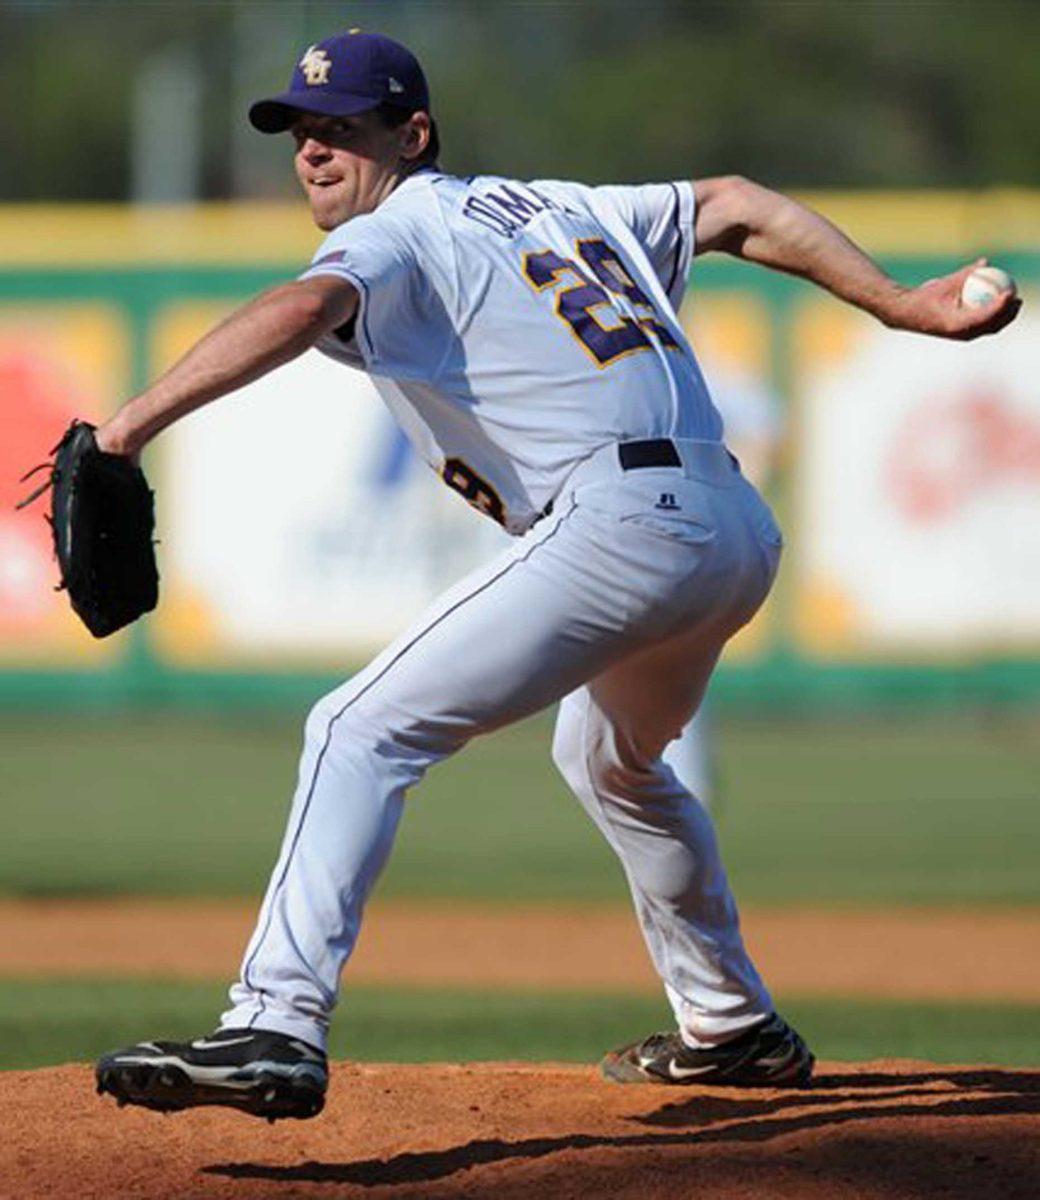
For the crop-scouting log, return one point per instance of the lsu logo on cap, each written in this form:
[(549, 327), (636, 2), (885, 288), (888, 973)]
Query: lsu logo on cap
[(316, 66)]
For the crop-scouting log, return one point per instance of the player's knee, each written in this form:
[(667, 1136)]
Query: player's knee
[(583, 759), (607, 763), (568, 752), (341, 722), (335, 722), (320, 718)]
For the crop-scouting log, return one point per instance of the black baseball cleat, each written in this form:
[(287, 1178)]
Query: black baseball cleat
[(769, 1055), (256, 1071)]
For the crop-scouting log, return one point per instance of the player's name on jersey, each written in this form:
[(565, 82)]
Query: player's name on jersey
[(507, 209)]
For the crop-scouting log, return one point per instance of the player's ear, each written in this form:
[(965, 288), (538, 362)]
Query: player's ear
[(415, 136)]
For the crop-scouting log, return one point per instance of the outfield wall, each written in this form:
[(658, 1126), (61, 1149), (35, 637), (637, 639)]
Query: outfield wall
[(299, 534)]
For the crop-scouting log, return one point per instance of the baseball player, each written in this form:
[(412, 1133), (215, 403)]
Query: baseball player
[(525, 337)]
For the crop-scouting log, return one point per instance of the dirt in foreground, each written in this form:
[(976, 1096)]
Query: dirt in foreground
[(906, 954), (876, 1131)]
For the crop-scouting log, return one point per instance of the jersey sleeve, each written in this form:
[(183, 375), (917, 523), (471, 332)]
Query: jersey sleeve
[(377, 257), (367, 251), (660, 216)]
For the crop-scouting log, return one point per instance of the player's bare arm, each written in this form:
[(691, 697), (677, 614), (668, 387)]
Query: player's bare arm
[(752, 222), (270, 330)]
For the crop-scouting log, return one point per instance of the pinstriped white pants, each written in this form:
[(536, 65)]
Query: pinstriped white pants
[(618, 606)]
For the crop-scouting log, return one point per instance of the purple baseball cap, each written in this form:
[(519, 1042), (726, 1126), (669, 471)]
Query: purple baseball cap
[(345, 75)]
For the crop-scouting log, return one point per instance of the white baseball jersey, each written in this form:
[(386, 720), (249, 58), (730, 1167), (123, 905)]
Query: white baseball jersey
[(513, 328)]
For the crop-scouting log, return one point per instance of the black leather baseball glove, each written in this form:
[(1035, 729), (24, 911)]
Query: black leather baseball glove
[(102, 517)]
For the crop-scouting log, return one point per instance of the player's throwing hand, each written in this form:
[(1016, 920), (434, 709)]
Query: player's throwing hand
[(936, 308)]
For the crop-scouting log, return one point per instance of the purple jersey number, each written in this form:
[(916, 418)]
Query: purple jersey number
[(608, 334), (610, 271)]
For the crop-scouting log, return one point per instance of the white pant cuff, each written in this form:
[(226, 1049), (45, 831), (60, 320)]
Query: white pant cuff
[(712, 1032)]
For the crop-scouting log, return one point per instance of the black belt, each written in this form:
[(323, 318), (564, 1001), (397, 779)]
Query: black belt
[(650, 452), (653, 452)]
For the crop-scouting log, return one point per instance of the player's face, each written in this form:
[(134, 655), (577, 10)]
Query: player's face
[(346, 165)]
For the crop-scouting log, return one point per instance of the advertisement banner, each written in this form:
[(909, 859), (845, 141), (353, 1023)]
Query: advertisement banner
[(919, 488), (299, 534)]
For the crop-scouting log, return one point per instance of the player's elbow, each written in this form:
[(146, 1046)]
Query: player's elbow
[(730, 208), (308, 308), (311, 307), (727, 195), (733, 188), (723, 205)]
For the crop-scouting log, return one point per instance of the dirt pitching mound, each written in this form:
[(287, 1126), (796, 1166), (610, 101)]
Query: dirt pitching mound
[(882, 1130)]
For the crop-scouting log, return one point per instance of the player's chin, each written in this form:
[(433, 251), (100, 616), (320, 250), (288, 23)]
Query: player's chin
[(327, 209)]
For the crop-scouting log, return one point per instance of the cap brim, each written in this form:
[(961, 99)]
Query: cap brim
[(277, 114)]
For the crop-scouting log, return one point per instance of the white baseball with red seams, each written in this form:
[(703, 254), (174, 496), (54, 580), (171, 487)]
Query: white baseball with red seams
[(984, 285), (525, 336)]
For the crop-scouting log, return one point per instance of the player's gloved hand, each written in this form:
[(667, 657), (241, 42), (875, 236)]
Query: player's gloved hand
[(935, 308), (102, 519), (110, 439)]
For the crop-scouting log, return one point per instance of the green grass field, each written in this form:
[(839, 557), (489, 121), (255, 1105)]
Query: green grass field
[(45, 1022), (935, 812)]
